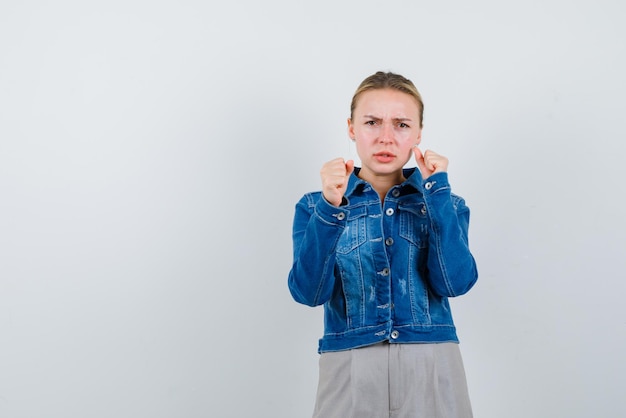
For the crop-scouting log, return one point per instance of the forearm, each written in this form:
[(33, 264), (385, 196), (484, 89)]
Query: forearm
[(451, 266), (316, 231)]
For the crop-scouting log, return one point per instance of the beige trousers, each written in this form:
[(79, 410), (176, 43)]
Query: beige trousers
[(393, 380)]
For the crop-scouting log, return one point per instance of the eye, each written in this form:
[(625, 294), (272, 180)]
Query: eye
[(403, 125), (370, 122)]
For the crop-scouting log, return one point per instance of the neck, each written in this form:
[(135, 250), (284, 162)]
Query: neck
[(382, 182)]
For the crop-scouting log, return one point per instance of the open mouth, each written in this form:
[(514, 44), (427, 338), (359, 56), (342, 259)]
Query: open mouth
[(384, 157), (384, 154)]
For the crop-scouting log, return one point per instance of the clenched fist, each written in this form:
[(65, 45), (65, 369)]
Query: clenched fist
[(430, 162), (335, 174)]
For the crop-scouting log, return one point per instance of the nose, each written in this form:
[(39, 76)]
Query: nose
[(386, 133)]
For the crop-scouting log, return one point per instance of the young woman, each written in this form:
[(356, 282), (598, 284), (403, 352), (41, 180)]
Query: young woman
[(383, 248)]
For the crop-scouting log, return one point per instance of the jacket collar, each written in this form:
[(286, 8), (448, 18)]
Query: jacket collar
[(412, 175)]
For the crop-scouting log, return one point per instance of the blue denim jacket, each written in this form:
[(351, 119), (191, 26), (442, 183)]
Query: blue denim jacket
[(383, 272)]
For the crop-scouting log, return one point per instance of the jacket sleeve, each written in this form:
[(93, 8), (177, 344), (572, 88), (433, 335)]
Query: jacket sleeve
[(317, 227), (451, 266)]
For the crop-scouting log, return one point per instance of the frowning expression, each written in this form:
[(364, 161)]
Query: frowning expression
[(385, 126)]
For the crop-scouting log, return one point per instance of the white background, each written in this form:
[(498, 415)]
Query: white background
[(151, 154)]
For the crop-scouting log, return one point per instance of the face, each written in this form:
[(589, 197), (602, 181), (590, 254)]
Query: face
[(385, 126)]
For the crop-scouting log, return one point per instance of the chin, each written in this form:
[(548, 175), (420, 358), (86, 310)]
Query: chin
[(386, 168)]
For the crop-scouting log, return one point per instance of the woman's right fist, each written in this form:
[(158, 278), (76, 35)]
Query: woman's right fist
[(335, 174)]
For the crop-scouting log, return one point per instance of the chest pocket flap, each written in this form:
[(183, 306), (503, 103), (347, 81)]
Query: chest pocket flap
[(355, 233), (414, 223)]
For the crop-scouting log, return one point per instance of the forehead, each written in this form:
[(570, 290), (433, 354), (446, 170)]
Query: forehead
[(386, 102)]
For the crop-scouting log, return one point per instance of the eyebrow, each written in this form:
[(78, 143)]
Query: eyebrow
[(395, 119)]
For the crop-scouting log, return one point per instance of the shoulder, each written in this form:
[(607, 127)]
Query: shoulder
[(458, 202), (310, 199)]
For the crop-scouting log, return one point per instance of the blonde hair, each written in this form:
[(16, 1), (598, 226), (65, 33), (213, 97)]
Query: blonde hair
[(389, 80)]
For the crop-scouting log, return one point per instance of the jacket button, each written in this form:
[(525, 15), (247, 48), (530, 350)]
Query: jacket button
[(341, 216), (428, 185), (395, 334), (389, 241), (395, 192), (385, 272), (389, 211)]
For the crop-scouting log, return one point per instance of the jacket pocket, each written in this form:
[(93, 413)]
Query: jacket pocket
[(354, 234), (414, 223)]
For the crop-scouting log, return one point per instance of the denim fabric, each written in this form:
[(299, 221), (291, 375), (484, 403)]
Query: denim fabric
[(383, 272)]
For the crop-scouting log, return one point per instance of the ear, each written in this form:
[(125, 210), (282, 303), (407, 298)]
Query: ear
[(351, 133)]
